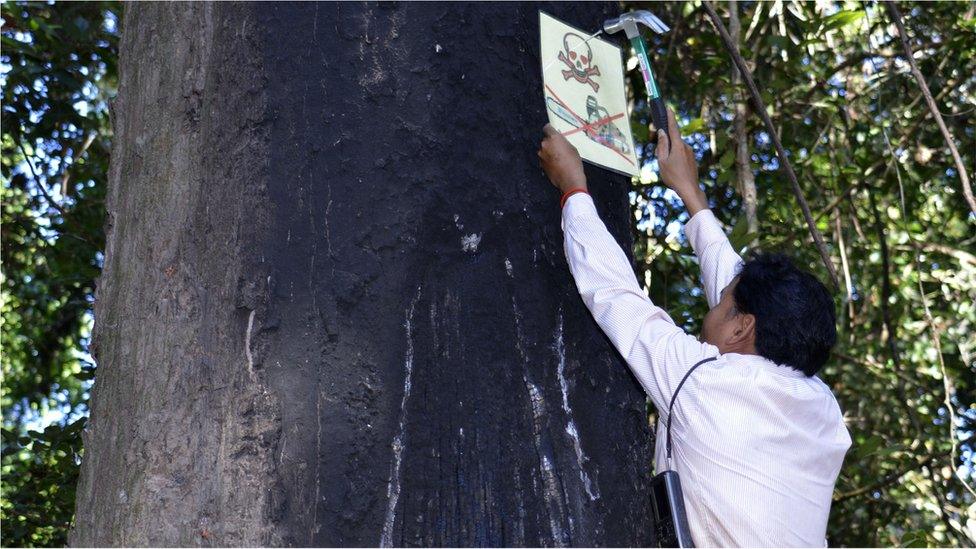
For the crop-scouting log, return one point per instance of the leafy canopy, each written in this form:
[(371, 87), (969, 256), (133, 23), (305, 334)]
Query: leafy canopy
[(58, 68), (882, 185)]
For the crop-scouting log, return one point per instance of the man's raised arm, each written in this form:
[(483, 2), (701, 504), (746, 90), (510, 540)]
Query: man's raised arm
[(718, 261), (657, 351)]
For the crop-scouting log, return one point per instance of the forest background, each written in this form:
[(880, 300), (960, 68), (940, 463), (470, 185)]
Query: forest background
[(873, 163)]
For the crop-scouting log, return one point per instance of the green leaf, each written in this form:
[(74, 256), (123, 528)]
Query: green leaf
[(641, 132), (694, 126), (869, 446), (741, 236), (727, 159), (917, 538), (843, 19)]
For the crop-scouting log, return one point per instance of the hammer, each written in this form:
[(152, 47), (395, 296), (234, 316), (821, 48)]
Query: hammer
[(628, 23)]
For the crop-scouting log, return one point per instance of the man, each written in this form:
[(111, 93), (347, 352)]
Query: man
[(758, 440)]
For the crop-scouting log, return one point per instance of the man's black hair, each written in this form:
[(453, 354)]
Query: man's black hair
[(795, 320)]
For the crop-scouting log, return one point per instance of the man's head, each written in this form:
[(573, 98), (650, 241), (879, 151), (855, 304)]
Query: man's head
[(777, 311)]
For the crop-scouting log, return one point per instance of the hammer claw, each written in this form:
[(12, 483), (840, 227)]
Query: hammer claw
[(630, 20), (653, 22)]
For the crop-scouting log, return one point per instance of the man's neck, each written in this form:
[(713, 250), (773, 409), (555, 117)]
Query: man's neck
[(746, 348)]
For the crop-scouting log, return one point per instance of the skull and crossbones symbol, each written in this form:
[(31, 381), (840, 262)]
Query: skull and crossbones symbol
[(578, 56)]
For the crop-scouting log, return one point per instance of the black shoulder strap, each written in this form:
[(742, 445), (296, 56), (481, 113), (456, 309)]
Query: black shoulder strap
[(675, 396)]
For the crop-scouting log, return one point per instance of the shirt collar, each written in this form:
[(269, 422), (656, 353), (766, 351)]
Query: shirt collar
[(778, 369)]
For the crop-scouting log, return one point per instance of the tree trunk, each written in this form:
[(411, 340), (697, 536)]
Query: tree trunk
[(335, 308)]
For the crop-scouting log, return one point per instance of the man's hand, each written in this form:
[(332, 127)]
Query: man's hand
[(561, 161), (679, 171)]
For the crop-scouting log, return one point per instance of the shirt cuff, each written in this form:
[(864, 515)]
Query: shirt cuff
[(579, 205), (703, 229)]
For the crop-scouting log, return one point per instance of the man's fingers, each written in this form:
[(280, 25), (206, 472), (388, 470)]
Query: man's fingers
[(673, 130), (661, 140), (549, 130)]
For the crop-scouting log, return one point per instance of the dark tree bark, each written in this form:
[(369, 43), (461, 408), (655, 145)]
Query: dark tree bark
[(335, 308)]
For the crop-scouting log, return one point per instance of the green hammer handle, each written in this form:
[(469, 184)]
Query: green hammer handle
[(659, 111)]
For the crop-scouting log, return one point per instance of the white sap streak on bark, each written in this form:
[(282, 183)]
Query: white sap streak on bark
[(393, 488), (550, 489), (469, 243), (247, 343), (328, 233), (571, 430)]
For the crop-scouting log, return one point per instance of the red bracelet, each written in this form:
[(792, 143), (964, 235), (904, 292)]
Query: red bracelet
[(567, 194)]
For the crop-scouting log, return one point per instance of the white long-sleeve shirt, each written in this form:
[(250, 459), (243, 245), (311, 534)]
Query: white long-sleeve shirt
[(758, 446)]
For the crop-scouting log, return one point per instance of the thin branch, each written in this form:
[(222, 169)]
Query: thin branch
[(948, 87), (840, 198), (675, 32), (946, 380), (961, 256), (891, 336), (890, 479), (37, 182), (905, 138), (940, 497), (967, 190), (877, 368), (848, 285), (66, 172), (784, 161), (50, 200), (850, 62), (744, 176)]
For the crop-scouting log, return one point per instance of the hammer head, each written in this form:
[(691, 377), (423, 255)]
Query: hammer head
[(628, 23)]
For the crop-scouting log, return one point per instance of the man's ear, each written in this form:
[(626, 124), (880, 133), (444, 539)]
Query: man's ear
[(745, 330)]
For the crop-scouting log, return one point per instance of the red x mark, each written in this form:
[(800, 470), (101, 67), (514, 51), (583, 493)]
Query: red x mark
[(586, 126)]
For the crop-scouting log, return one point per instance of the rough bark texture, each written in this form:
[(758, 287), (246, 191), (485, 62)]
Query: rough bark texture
[(335, 308)]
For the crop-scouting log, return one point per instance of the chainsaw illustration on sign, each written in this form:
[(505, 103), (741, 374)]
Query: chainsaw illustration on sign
[(597, 126)]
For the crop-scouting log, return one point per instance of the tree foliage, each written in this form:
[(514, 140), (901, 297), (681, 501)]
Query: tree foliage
[(58, 71), (884, 190), (872, 163)]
